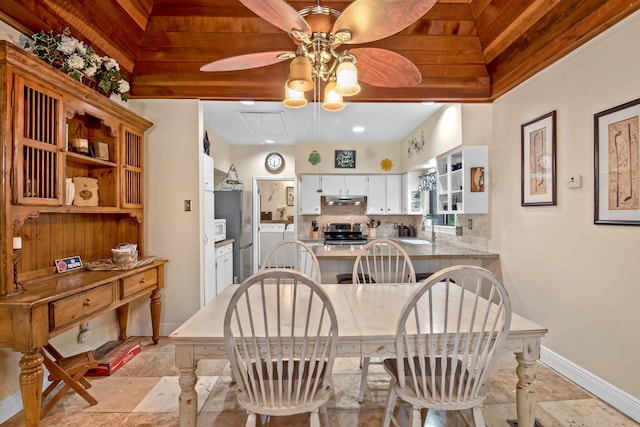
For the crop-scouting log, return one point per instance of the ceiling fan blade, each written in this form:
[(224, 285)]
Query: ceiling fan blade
[(250, 60), (278, 13), (384, 68), (370, 20)]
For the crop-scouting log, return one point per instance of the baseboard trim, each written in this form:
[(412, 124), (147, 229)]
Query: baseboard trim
[(10, 406), (619, 399)]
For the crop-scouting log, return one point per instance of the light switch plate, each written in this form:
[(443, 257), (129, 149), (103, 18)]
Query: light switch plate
[(574, 181)]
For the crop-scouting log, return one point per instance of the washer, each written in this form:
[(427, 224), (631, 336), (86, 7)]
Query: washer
[(270, 235)]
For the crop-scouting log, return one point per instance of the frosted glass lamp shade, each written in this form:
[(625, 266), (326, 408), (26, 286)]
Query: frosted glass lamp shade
[(332, 100), (347, 79), (293, 98), (300, 74)]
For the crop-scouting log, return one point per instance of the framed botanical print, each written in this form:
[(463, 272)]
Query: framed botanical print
[(617, 165), (538, 161)]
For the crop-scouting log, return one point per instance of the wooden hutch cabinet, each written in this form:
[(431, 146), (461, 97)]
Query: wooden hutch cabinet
[(42, 113)]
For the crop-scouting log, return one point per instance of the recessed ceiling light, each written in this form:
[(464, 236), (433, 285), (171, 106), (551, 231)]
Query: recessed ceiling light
[(247, 102), (269, 141), (358, 128), (428, 102)]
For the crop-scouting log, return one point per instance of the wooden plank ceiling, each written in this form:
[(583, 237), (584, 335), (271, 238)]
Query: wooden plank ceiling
[(466, 50)]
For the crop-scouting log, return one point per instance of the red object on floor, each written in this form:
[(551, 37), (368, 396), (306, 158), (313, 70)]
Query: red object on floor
[(111, 356)]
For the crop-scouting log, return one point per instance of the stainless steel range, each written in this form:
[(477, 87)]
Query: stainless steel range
[(343, 233)]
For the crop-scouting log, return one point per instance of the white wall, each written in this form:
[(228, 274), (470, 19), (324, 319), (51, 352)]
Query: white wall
[(173, 175), (578, 279)]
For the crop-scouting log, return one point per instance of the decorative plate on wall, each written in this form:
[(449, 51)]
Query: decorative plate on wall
[(370, 153), (386, 164)]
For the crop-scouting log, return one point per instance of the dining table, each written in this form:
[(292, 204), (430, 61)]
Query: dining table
[(367, 317)]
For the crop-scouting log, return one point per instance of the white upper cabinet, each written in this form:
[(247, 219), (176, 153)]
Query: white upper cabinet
[(309, 195), (412, 196), (462, 181), (384, 195), (344, 185), (207, 166)]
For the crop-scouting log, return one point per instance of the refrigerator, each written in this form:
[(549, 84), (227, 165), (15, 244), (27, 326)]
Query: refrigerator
[(236, 208)]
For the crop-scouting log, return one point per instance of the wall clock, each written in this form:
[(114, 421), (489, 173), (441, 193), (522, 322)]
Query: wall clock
[(274, 162)]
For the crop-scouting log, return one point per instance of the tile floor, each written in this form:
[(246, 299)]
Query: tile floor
[(145, 391)]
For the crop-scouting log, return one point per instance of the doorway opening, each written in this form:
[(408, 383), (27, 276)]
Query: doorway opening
[(275, 207)]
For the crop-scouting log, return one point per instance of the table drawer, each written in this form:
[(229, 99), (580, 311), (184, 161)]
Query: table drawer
[(71, 309), (139, 282)]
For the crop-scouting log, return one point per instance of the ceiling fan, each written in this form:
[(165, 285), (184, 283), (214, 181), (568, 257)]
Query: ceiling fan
[(319, 32)]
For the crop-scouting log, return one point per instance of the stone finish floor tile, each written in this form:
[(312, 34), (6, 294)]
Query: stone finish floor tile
[(145, 393)]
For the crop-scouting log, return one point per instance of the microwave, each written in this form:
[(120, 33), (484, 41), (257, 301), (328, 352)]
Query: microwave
[(219, 229)]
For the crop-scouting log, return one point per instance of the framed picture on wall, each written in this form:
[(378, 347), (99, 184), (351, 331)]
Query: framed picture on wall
[(538, 161), (289, 196), (345, 159), (617, 164)]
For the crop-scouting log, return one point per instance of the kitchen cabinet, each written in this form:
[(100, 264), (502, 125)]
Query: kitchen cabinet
[(344, 185), (224, 266), (309, 195), (462, 178), (384, 195), (411, 196)]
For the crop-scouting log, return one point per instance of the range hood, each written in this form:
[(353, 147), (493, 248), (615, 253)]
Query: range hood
[(344, 200)]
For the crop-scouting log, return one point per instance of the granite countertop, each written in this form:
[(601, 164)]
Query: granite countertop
[(421, 249), (224, 242)]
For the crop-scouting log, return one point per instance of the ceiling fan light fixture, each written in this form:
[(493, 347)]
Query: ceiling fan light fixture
[(301, 74), (293, 98), (347, 78), (332, 100)]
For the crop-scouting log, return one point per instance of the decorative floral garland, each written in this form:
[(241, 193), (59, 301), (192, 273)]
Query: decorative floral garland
[(73, 57)]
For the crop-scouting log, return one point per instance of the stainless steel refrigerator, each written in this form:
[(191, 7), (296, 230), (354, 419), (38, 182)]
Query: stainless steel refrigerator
[(235, 207)]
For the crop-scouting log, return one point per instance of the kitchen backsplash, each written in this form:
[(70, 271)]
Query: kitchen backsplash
[(474, 237)]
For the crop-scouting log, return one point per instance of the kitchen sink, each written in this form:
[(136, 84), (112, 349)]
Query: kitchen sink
[(415, 241)]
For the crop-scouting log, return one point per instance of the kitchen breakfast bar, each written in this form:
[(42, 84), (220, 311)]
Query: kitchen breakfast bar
[(426, 258)]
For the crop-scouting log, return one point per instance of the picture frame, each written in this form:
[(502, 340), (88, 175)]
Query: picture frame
[(617, 165), (538, 161), (289, 196), (345, 159)]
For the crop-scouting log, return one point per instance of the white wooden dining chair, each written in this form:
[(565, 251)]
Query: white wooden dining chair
[(380, 261), (449, 336), (383, 261), (281, 335), (293, 254)]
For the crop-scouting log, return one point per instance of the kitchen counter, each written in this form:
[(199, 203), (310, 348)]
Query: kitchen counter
[(415, 251), (426, 258)]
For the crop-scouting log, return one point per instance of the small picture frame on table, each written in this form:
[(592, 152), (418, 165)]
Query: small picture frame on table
[(617, 165), (538, 161)]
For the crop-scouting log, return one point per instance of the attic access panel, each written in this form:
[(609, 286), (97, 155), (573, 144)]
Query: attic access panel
[(265, 124)]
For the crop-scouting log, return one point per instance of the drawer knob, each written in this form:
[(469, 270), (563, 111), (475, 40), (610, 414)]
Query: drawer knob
[(142, 280), (86, 303)]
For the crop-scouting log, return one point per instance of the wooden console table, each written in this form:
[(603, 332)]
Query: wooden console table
[(53, 305)]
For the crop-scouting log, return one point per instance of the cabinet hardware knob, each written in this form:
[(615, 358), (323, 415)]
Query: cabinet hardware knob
[(86, 303), (142, 280)]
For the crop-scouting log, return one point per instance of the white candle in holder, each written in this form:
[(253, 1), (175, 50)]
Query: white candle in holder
[(17, 242)]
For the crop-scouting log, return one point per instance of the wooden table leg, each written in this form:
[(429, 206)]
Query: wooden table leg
[(156, 308), (188, 400), (123, 318), (31, 375), (525, 398)]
